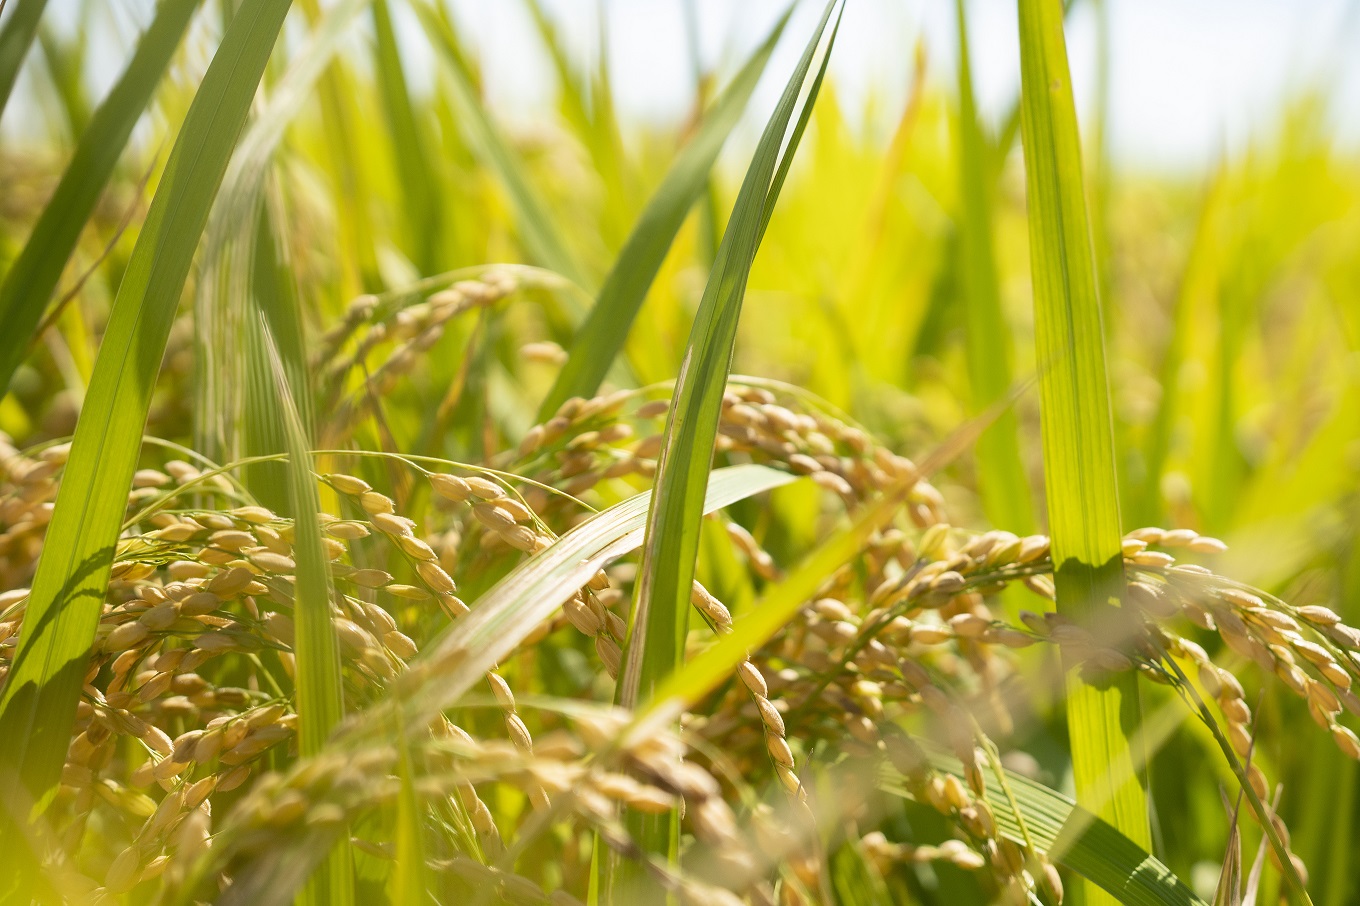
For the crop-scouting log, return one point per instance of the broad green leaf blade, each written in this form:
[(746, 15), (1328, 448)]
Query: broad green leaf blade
[(72, 575), (318, 681), (1074, 838), (536, 588), (1002, 481), (15, 39), (660, 617), (1078, 442), (542, 236), (30, 282), (602, 334)]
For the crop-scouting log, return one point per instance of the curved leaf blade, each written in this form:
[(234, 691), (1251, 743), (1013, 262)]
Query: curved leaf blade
[(1002, 481), (514, 606), (660, 616), (319, 683), (657, 627), (415, 171)]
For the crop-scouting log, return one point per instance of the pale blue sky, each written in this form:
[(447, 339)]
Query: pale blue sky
[(1188, 79)]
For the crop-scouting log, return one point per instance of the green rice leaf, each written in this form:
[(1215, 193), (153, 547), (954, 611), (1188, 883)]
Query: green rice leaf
[(1072, 837), (30, 282), (660, 617), (657, 629), (73, 572), (350, 176), (64, 59), (1198, 282), (409, 882), (587, 106), (265, 422), (1078, 443), (602, 334)]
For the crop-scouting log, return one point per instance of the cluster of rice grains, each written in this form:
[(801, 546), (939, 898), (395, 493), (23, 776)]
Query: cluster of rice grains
[(183, 760)]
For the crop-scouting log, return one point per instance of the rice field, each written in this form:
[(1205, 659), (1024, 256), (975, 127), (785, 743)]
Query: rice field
[(403, 504)]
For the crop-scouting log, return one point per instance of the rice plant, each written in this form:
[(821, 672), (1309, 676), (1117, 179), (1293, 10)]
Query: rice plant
[(401, 505)]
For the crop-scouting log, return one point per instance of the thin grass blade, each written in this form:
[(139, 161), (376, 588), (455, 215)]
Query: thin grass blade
[(15, 39), (656, 632), (64, 60), (415, 170), (587, 105), (409, 882), (657, 628), (245, 268), (1199, 283), (319, 683), (349, 169), (265, 423), (1002, 481)]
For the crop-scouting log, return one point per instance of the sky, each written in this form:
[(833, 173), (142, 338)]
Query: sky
[(1189, 80)]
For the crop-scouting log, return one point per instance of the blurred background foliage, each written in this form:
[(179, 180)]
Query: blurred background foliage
[(1231, 296)]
